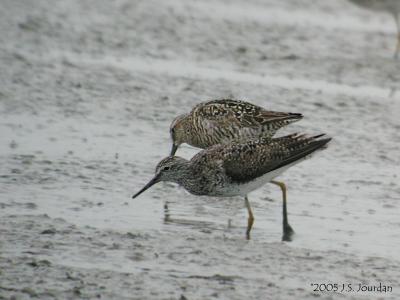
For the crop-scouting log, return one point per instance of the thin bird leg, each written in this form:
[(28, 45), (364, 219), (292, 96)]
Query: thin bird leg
[(287, 229), (397, 20), (250, 220)]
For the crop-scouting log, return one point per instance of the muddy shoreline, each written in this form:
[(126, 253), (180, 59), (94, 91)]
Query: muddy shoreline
[(88, 90)]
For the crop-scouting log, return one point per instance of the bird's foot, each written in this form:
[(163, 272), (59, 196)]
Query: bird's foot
[(248, 235), (288, 233)]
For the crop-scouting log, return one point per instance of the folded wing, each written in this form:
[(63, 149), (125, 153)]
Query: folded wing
[(241, 114), (245, 162)]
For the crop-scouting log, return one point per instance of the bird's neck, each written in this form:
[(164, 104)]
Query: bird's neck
[(198, 134), (188, 178), (183, 171), (185, 175)]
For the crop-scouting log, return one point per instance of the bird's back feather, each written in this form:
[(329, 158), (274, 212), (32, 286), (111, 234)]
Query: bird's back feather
[(243, 162)]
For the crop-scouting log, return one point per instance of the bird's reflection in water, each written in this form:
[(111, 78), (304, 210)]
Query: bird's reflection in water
[(204, 225), (166, 213)]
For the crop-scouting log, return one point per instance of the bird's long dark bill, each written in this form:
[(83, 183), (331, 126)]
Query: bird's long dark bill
[(173, 150), (149, 184)]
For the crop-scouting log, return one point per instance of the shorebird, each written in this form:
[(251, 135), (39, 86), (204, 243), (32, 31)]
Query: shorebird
[(223, 121), (390, 6), (236, 169)]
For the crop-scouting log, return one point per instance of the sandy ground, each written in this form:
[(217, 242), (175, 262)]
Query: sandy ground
[(87, 92)]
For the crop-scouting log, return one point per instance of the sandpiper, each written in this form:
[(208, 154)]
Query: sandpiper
[(390, 6), (223, 121), (236, 169)]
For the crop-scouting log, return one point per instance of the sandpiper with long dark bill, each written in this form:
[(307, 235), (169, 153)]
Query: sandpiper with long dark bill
[(236, 169), (225, 120)]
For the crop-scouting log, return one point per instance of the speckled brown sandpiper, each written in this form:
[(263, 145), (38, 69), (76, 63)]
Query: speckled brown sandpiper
[(226, 120), (223, 121), (236, 169)]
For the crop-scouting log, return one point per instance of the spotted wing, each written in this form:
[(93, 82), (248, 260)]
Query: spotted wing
[(240, 114), (245, 162)]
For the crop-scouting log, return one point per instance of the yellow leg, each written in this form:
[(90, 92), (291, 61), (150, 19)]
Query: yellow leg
[(250, 220), (287, 229)]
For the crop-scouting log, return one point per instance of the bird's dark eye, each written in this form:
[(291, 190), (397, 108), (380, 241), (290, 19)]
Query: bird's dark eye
[(165, 168)]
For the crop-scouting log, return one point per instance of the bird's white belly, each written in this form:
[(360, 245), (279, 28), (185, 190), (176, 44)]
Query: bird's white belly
[(242, 189)]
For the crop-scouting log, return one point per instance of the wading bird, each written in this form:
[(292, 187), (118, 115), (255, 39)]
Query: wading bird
[(236, 169)]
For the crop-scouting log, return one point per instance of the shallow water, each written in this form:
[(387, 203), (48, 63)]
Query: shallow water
[(85, 106)]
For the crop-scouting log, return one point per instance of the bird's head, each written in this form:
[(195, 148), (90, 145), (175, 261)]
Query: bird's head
[(180, 132), (171, 168)]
